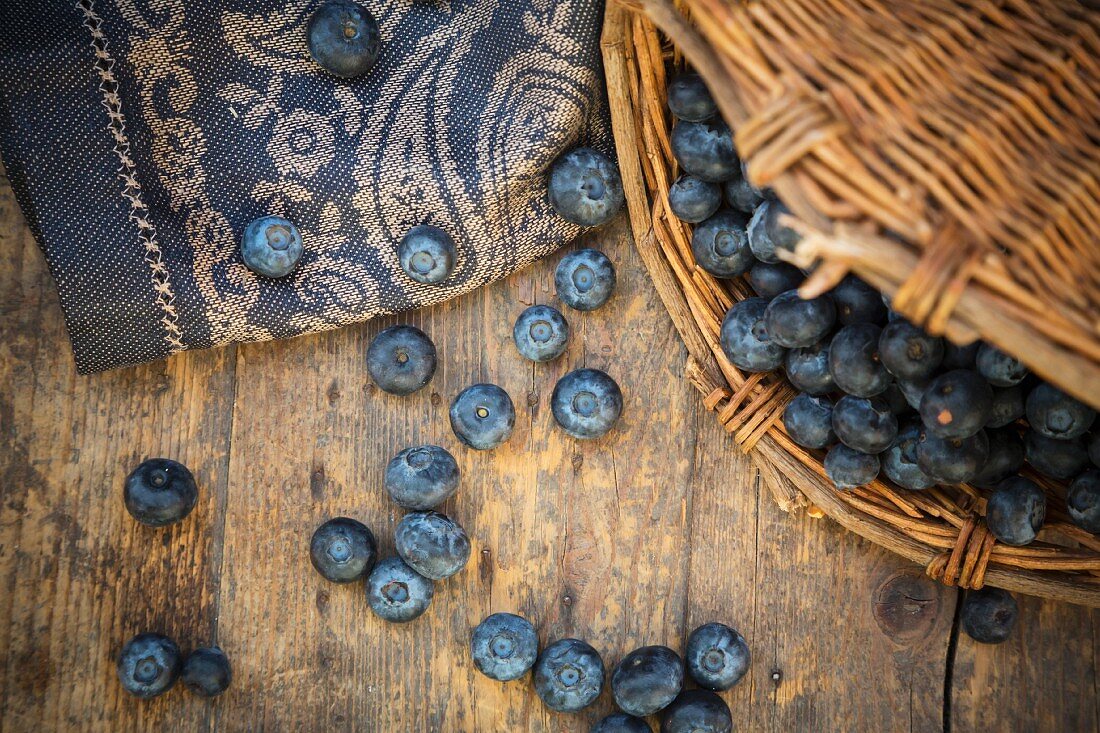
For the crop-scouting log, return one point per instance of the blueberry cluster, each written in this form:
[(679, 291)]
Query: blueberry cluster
[(569, 674), (150, 664)]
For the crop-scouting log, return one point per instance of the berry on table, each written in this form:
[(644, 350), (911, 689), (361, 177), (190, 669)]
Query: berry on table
[(692, 199), (721, 245), (586, 188), (1055, 414), (908, 352), (206, 672), (432, 544), (1083, 500), (717, 656), (401, 360), (867, 425), (795, 322), (343, 38), (584, 279), (343, 550), (899, 461), (1059, 459), (504, 646), (482, 416), (541, 333), (398, 593), (1016, 510), (697, 711), (952, 460), (848, 468), (854, 360), (569, 675), (769, 279), (808, 369), (689, 99), (160, 492), (956, 404), (647, 680), (586, 403), (148, 665), (422, 477), (705, 149), (1001, 369), (271, 246), (988, 615), (427, 254), (745, 339), (621, 723), (809, 421)]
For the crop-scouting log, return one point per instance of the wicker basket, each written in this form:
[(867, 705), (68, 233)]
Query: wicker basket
[(946, 152)]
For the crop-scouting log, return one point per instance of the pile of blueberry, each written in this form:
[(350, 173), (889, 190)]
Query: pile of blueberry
[(569, 675)]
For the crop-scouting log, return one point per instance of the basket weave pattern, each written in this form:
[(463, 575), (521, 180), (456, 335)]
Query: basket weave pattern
[(946, 153)]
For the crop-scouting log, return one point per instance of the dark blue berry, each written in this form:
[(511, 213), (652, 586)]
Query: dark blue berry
[(271, 246), (721, 245), (586, 188), (1083, 500), (988, 615), (857, 302), (998, 367), (854, 360), (343, 38), (541, 333), (908, 352), (504, 646), (952, 460), (895, 399), (482, 416), (742, 195), (148, 665), (769, 279), (912, 390), (621, 723), (717, 656), (697, 711), (864, 424), (343, 550), (959, 357), (1006, 458), (586, 403), (705, 149), (745, 339), (1059, 459), (398, 593), (427, 254), (1016, 510), (585, 279), (688, 98), (956, 404), (647, 680), (848, 468), (422, 477), (1007, 407), (809, 421), (899, 461), (432, 544), (692, 199), (160, 492), (795, 322), (760, 241), (569, 675), (206, 672), (401, 360), (808, 369), (1055, 414)]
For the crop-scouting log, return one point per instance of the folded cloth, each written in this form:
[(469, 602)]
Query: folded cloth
[(142, 136)]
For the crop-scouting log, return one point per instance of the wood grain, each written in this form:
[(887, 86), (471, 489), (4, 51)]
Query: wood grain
[(633, 539)]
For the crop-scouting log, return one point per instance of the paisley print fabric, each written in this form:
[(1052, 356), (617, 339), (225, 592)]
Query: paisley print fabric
[(142, 136)]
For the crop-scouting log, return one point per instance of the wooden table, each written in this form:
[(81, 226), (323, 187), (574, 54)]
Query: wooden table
[(634, 539)]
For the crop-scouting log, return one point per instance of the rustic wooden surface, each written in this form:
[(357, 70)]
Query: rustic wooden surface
[(631, 540)]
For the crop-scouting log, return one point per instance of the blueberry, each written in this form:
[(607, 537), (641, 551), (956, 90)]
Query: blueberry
[(1059, 459), (432, 544), (206, 672), (148, 665), (809, 421), (584, 279), (760, 242), (1055, 414), (866, 425), (422, 477), (647, 680), (160, 492), (745, 339), (271, 246), (808, 369), (857, 302), (705, 149), (717, 656), (398, 593), (848, 468), (482, 416), (692, 199), (959, 357), (689, 100), (998, 367), (952, 460), (621, 723), (697, 711), (504, 646), (899, 461), (401, 360), (1083, 500), (988, 615), (586, 403), (343, 38), (908, 352), (1016, 510), (568, 675), (912, 390), (795, 322), (741, 194), (769, 279), (586, 188), (343, 550), (1093, 443), (1007, 407), (956, 404), (541, 333), (854, 360), (427, 254), (895, 399), (1006, 458), (721, 245)]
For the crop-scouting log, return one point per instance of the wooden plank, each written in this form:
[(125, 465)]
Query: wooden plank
[(78, 576)]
